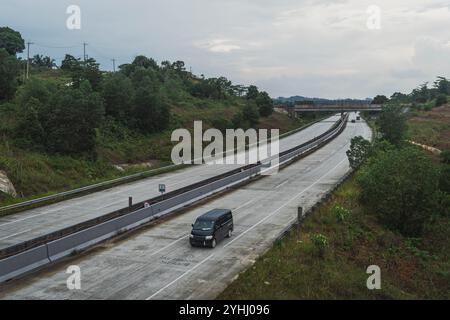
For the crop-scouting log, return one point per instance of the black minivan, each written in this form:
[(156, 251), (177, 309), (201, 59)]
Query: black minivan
[(211, 228)]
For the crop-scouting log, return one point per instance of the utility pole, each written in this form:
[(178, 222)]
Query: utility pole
[(28, 58), (84, 51), (114, 64)]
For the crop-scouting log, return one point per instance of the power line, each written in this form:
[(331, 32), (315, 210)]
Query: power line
[(56, 47)]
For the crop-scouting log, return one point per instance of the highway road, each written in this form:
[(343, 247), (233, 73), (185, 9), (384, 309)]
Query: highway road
[(35, 222), (157, 262)]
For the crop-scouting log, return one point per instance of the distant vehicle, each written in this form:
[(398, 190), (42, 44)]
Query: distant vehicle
[(353, 121), (212, 227), (358, 118)]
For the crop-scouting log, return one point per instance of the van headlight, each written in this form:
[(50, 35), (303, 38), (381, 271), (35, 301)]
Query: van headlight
[(208, 237), (191, 236)]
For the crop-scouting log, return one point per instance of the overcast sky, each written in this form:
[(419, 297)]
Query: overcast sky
[(318, 48)]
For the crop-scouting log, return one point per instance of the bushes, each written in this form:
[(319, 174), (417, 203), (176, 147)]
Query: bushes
[(341, 213), (265, 104), (63, 120), (401, 186), (9, 71), (320, 243), (440, 100), (73, 116), (392, 124), (359, 151), (118, 93), (151, 113), (250, 114)]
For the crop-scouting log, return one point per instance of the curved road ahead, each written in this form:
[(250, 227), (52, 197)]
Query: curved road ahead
[(36, 222), (158, 263)]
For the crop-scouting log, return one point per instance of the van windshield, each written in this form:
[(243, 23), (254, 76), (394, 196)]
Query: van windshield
[(203, 225)]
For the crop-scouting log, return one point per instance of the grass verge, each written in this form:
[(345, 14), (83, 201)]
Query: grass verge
[(329, 257)]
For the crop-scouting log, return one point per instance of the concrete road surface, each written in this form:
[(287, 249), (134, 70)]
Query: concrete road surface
[(35, 222), (158, 263)]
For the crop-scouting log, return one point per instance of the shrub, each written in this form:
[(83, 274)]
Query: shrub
[(358, 152), (445, 156), (392, 124), (401, 186), (440, 100), (320, 243), (341, 213)]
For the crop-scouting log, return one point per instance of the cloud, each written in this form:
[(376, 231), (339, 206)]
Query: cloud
[(287, 47), (219, 46)]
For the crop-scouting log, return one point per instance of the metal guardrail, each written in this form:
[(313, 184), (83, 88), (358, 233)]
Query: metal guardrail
[(36, 253), (114, 182), (96, 186)]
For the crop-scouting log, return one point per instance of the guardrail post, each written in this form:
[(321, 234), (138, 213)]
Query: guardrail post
[(299, 220), (130, 202), (300, 215)]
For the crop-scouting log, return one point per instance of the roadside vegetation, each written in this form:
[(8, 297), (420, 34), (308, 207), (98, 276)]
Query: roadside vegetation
[(68, 125), (394, 212)]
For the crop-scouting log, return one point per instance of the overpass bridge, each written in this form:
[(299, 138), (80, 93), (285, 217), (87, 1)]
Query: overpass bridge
[(335, 108)]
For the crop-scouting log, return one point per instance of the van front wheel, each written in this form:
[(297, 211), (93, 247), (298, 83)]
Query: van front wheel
[(213, 243), (230, 233)]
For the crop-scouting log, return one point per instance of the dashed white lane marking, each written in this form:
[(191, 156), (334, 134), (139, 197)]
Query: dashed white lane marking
[(281, 184)]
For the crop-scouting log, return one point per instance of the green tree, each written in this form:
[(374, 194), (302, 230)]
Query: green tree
[(252, 93), (401, 187), (238, 120), (265, 104), (392, 124), (9, 70), (399, 97), (41, 61), (11, 41), (442, 85), (380, 99), (151, 113), (29, 131), (89, 71), (118, 93), (250, 114), (421, 94), (359, 150), (37, 89), (144, 62), (72, 118), (71, 64), (441, 100)]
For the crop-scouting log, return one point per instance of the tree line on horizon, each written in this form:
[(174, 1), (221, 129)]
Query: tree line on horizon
[(423, 97)]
